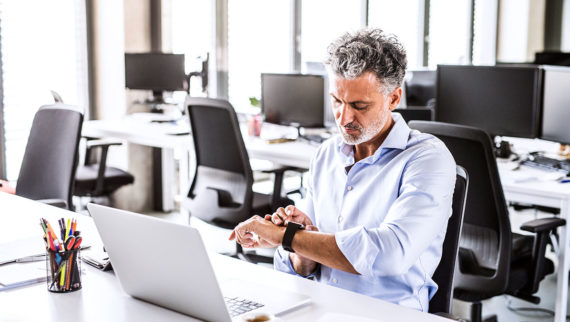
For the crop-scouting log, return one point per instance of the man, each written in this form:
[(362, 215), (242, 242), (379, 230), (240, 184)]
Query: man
[(379, 195)]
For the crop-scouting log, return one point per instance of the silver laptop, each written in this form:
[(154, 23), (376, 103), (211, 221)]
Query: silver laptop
[(167, 264)]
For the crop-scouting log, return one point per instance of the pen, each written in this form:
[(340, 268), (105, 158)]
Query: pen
[(564, 181), (31, 259)]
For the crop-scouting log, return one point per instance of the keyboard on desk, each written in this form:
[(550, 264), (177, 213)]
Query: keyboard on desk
[(549, 164), (237, 305)]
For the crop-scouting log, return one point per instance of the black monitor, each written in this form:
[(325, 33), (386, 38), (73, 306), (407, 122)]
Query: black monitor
[(420, 87), (501, 100), (552, 58), (293, 99), (158, 72), (556, 104)]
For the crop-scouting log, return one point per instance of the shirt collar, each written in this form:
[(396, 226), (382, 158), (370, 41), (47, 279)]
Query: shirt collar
[(396, 139)]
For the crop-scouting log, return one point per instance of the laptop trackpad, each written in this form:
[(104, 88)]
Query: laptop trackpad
[(275, 301)]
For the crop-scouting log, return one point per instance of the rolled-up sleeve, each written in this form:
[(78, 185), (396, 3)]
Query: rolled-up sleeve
[(414, 220)]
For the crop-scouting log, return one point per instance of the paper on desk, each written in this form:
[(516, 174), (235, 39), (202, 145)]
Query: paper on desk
[(20, 272), (341, 317), (13, 250)]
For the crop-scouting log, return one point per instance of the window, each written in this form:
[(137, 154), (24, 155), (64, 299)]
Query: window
[(192, 34), (485, 32), (406, 24), (449, 32), (43, 46), (259, 41), (322, 22)]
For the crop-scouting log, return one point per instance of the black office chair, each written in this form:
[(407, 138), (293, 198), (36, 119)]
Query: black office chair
[(415, 113), (221, 191), (492, 259), (50, 158), (94, 178), (443, 275)]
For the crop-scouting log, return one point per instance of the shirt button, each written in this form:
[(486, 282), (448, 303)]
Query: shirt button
[(340, 218), (349, 188), (334, 280)]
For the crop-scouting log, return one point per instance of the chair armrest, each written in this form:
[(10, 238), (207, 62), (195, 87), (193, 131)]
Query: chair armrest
[(60, 203), (541, 228), (102, 142), (543, 224), (450, 316)]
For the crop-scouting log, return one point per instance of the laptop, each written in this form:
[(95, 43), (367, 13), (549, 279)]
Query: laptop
[(167, 264)]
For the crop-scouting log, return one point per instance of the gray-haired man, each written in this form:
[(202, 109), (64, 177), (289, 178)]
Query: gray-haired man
[(379, 193)]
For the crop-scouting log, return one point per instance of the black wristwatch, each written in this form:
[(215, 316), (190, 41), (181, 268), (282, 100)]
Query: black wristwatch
[(290, 231)]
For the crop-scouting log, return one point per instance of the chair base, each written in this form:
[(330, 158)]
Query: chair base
[(477, 313)]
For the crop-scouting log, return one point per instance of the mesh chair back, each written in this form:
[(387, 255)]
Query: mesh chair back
[(223, 174), (50, 159), (486, 232)]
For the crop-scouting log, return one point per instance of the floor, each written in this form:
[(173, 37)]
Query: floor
[(216, 239)]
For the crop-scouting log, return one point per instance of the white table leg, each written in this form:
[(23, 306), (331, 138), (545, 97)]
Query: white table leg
[(184, 179), (563, 267), (167, 169)]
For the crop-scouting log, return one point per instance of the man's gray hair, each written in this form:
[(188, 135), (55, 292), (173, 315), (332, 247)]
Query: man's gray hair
[(366, 50)]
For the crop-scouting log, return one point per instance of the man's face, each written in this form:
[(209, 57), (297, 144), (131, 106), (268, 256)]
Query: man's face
[(361, 111)]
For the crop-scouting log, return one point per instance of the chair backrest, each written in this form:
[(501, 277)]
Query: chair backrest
[(221, 191), (415, 113), (51, 155), (443, 275), (486, 233)]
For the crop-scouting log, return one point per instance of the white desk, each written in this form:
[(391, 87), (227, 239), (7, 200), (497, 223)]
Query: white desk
[(101, 298), (540, 192)]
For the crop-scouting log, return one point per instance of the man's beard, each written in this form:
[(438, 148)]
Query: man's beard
[(366, 134)]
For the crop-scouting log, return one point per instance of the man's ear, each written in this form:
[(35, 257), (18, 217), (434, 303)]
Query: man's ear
[(394, 98)]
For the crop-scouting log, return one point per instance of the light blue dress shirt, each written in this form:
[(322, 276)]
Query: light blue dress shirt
[(388, 213)]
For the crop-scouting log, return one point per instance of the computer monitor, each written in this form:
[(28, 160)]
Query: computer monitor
[(293, 99), (556, 104), (420, 87), (552, 58), (158, 72), (502, 100)]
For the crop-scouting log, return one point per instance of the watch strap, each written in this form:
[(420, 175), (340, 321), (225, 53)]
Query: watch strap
[(292, 228)]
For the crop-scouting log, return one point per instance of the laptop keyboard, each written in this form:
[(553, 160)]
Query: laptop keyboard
[(237, 305)]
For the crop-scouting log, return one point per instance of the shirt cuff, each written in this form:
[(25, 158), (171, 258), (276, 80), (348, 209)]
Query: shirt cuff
[(358, 248), (282, 262)]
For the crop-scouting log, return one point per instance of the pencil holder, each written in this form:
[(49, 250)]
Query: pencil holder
[(63, 271)]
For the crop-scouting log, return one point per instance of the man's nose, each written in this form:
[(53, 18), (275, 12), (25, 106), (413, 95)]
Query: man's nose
[(344, 115)]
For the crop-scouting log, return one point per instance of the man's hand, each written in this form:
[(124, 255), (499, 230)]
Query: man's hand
[(290, 213), (257, 232)]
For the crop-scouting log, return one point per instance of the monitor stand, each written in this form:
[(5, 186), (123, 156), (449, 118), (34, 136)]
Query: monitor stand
[(157, 101)]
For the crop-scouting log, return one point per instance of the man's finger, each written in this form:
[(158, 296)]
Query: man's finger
[(276, 219), (289, 210), (232, 235), (311, 228)]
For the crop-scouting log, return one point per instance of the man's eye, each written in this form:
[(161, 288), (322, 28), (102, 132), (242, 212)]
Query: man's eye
[(359, 106)]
